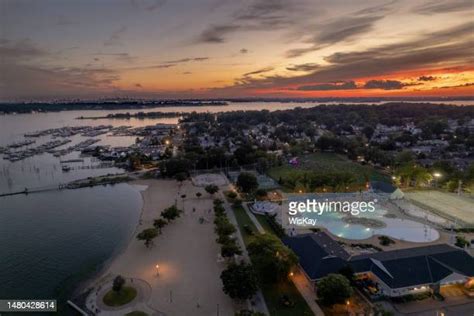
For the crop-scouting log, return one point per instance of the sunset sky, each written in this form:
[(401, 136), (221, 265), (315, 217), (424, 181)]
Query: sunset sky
[(228, 48)]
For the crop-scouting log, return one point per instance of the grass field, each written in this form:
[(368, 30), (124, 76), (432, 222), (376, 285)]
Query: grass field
[(126, 295), (328, 162), (445, 204), (273, 293)]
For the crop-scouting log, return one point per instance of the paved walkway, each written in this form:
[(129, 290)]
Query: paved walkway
[(307, 291), (254, 219)]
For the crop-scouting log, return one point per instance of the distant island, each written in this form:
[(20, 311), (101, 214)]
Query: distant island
[(120, 104), (139, 115), (31, 107)]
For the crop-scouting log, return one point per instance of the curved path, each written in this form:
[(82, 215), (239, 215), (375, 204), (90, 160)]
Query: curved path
[(96, 304)]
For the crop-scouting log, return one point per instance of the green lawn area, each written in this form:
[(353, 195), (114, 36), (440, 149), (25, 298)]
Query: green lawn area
[(327, 162), (126, 295), (243, 219), (273, 293), (266, 226), (137, 313)]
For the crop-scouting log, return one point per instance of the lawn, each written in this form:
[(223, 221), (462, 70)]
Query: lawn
[(126, 295), (243, 219), (327, 162), (264, 222), (273, 293)]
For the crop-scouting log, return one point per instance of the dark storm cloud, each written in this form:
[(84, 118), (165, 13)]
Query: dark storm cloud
[(426, 78), (349, 85), (303, 67), (244, 51), (434, 7)]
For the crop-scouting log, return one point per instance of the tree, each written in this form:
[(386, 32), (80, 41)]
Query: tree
[(348, 272), (159, 223), (148, 235), (271, 257), (240, 281), (181, 176), (171, 213), (118, 283), (211, 189), (247, 182), (230, 248), (174, 166), (224, 226), (334, 289)]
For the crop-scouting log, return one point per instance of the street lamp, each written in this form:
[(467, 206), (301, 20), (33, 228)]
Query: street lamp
[(157, 269), (437, 175)]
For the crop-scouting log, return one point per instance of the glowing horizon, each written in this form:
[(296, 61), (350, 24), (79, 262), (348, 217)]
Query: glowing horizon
[(214, 49)]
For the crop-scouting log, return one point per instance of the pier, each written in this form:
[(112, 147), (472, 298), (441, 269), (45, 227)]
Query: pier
[(27, 191)]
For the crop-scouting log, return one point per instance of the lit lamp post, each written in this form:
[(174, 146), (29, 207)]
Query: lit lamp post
[(157, 269), (436, 175)]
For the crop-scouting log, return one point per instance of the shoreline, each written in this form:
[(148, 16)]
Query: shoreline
[(99, 273), (181, 273)]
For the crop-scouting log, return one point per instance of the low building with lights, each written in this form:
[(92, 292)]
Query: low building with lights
[(393, 273)]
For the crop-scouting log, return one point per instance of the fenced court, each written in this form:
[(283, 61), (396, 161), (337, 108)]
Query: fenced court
[(205, 179), (445, 204)]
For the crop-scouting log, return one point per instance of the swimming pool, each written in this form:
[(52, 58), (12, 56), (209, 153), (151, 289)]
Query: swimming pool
[(402, 229)]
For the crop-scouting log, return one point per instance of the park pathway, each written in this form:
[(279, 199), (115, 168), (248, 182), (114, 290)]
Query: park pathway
[(254, 219), (260, 305)]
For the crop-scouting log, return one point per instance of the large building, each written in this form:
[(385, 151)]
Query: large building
[(396, 272)]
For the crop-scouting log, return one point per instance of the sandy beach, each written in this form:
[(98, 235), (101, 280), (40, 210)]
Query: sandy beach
[(186, 252)]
